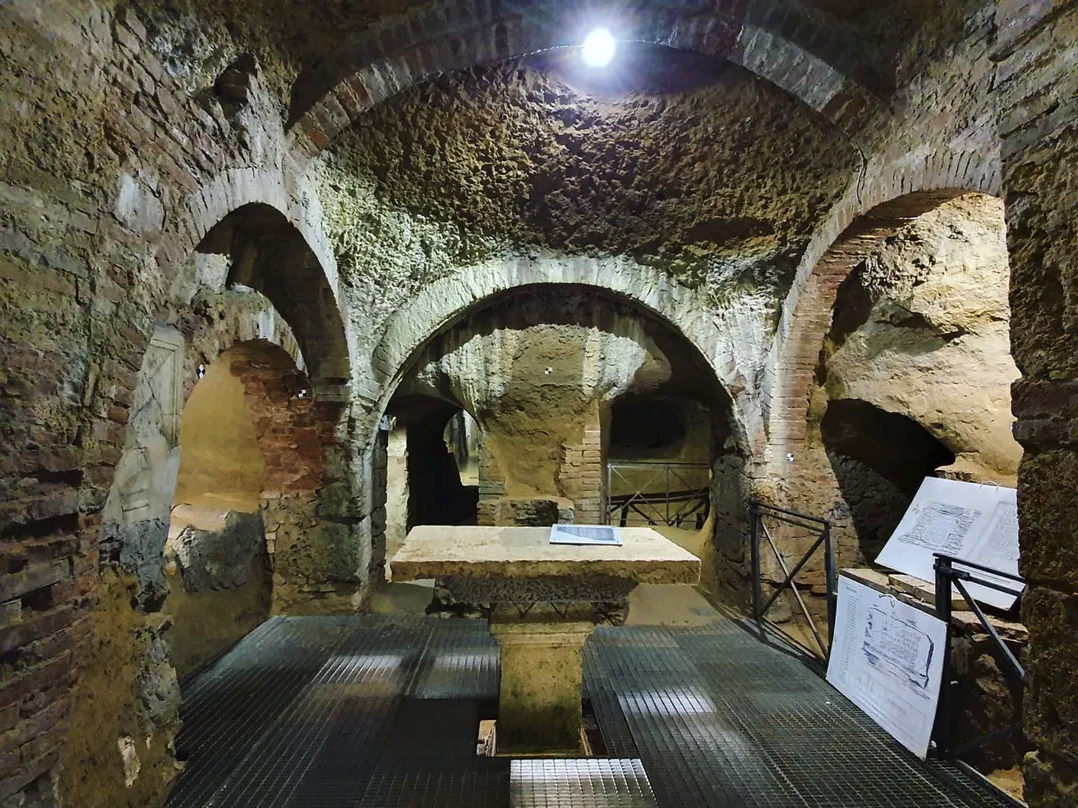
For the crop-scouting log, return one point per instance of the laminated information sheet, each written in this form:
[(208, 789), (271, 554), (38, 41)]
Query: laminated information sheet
[(585, 534), (887, 658), (973, 522)]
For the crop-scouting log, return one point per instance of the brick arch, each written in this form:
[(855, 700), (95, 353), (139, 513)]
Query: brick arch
[(816, 62), (294, 433), (857, 229), (271, 254), (440, 304), (247, 318)]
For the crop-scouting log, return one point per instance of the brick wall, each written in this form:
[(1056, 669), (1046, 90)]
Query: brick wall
[(93, 237), (582, 477)]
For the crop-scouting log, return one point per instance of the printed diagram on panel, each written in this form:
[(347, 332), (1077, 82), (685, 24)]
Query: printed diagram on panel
[(897, 648), (941, 527)]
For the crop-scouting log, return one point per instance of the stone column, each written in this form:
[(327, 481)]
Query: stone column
[(1038, 125), (539, 712)]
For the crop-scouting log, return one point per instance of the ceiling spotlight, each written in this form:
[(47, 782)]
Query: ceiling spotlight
[(598, 48)]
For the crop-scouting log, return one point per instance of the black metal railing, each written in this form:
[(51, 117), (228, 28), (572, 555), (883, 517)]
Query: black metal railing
[(948, 578), (657, 493), (759, 512)]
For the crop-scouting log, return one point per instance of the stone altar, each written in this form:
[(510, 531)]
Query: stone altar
[(543, 600)]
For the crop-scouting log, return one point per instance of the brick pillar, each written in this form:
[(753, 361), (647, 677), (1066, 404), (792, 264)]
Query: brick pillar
[(581, 478), (306, 493), (1037, 84), (491, 485)]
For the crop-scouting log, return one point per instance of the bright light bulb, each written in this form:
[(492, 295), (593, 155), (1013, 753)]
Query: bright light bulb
[(598, 48)]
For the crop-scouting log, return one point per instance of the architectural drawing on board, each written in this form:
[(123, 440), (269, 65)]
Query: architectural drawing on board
[(887, 658), (942, 527), (898, 648), (967, 521)]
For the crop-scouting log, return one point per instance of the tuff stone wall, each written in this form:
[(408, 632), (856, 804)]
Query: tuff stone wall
[(913, 374), (1037, 86), (220, 588), (412, 196), (118, 746)]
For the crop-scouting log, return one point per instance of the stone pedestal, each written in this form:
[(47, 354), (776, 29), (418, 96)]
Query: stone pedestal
[(543, 601), (539, 700)]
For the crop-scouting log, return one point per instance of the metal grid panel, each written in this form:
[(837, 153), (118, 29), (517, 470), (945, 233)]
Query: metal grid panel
[(379, 711), (439, 789), (694, 754), (828, 750), (461, 662), (231, 704), (341, 767), (580, 783), (599, 689)]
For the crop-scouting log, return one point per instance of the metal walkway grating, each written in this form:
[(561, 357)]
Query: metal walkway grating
[(382, 712), (588, 783)]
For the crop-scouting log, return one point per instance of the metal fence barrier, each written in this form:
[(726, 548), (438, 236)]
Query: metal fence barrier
[(758, 512), (659, 494), (948, 576)]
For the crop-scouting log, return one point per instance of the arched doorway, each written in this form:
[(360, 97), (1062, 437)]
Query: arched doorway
[(216, 556), (543, 369)]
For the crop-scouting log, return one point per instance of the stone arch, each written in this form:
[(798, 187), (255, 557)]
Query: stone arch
[(270, 254), (798, 52), (242, 318), (440, 304), (858, 227), (673, 308)]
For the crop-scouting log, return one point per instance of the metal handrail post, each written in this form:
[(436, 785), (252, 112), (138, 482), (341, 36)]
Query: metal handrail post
[(667, 476), (757, 585), (830, 570), (1012, 661), (946, 701)]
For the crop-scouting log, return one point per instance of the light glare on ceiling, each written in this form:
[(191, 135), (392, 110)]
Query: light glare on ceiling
[(598, 48)]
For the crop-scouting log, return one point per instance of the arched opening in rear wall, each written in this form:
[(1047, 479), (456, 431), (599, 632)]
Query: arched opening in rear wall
[(541, 370), (269, 254), (431, 468), (914, 373)]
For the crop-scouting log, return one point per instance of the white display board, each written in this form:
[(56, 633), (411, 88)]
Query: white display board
[(973, 522), (887, 658)]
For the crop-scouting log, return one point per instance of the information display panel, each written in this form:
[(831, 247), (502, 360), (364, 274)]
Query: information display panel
[(970, 521), (887, 658)]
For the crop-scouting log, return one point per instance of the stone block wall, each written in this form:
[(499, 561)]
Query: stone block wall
[(522, 512), (1037, 87), (491, 485)]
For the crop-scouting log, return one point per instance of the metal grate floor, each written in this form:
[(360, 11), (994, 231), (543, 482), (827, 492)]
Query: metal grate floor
[(382, 712)]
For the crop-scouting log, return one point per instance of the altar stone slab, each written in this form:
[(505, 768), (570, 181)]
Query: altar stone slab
[(436, 551)]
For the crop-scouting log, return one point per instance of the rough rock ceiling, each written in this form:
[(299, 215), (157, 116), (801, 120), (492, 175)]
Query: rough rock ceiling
[(290, 38), (721, 186), (196, 39)]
